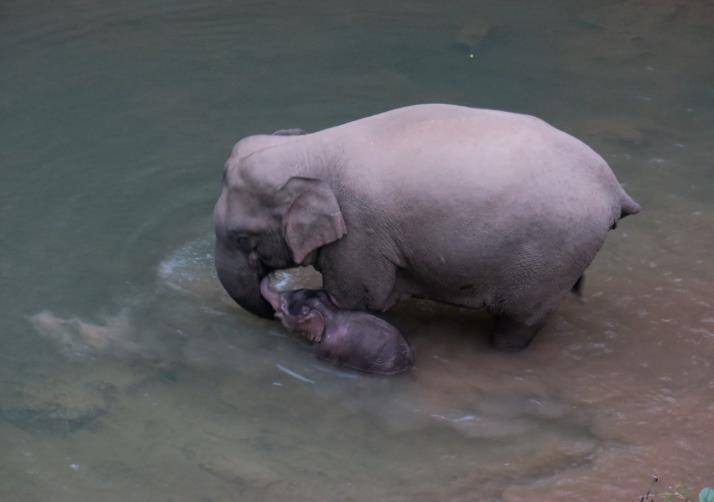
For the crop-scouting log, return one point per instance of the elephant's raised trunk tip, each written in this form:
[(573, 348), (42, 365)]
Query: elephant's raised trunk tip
[(272, 296)]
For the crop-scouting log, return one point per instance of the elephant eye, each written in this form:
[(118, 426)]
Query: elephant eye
[(244, 243), (295, 308)]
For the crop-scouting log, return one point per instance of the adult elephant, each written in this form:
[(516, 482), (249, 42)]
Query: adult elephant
[(475, 208)]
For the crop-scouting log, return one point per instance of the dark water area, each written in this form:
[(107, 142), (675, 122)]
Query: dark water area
[(128, 374)]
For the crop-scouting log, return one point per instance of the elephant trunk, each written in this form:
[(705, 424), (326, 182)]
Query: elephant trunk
[(269, 293), (241, 280)]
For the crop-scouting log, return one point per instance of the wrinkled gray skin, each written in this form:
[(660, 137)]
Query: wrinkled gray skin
[(352, 339), (475, 208)]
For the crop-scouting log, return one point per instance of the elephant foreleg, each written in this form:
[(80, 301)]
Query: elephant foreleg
[(358, 282)]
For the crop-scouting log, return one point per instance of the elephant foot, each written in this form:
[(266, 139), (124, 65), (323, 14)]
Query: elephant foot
[(510, 335)]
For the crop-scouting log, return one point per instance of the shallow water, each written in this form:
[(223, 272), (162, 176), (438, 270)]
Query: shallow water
[(128, 374)]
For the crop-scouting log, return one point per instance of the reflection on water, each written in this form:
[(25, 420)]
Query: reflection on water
[(128, 374)]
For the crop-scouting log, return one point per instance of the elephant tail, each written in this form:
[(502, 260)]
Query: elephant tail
[(628, 206), (577, 288)]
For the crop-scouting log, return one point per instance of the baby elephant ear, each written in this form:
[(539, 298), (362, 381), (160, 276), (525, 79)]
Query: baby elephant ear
[(313, 218)]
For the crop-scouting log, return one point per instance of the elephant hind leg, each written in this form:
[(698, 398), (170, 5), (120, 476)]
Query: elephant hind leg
[(522, 308), (513, 335), (518, 321)]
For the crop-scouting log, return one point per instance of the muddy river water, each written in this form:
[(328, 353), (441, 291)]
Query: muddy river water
[(127, 374)]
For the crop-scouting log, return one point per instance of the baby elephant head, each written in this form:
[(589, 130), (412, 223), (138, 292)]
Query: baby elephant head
[(302, 311), (352, 339)]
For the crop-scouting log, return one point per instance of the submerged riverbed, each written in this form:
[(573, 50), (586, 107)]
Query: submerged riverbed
[(128, 374)]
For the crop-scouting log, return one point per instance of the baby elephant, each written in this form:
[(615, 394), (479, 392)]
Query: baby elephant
[(352, 339)]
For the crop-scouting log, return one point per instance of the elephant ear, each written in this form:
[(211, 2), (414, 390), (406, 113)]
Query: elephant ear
[(313, 324), (313, 218)]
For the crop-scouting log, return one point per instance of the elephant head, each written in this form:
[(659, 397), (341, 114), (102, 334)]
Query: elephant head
[(273, 213)]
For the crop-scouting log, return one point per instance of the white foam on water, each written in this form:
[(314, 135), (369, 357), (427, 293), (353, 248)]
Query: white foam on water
[(294, 374), (190, 264), (336, 372), (188, 270), (464, 418), (79, 338)]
